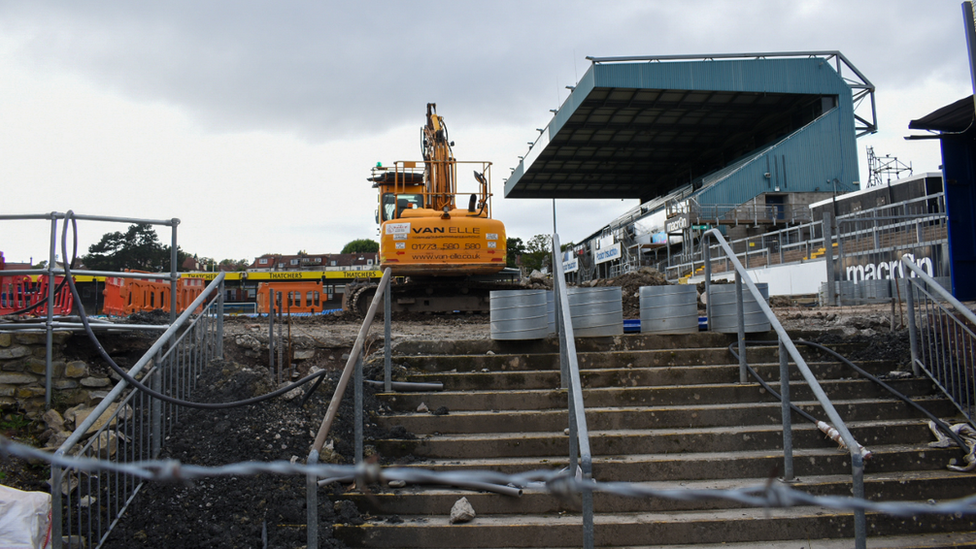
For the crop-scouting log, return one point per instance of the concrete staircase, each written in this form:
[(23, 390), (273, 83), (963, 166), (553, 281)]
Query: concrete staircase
[(665, 411)]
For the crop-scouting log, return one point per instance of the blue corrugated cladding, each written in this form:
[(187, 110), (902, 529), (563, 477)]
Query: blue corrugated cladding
[(809, 160), (814, 156), (808, 75)]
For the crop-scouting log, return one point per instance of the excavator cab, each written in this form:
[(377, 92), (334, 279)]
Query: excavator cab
[(423, 232)]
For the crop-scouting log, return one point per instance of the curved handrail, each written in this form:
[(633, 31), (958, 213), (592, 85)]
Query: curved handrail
[(347, 372), (786, 344), (569, 366)]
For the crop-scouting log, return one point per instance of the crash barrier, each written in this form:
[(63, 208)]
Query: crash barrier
[(130, 426), (669, 309), (519, 314), (125, 296), (300, 297), (787, 351), (354, 367), (580, 457), (20, 295), (941, 334)]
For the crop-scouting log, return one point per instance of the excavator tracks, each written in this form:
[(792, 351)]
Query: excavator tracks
[(428, 296)]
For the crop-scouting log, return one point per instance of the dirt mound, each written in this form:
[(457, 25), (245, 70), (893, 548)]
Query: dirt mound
[(630, 285)]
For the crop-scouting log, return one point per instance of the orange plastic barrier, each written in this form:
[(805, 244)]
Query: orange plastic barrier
[(299, 297), (125, 296), (18, 293)]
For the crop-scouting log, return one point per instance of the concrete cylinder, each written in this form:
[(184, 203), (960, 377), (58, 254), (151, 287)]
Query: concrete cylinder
[(724, 317), (518, 314), (596, 311), (669, 309)]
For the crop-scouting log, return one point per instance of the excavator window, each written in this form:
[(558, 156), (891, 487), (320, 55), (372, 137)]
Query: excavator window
[(393, 205)]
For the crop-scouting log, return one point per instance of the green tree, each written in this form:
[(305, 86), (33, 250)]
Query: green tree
[(361, 245), (138, 249), (537, 251), (233, 264), (515, 248)]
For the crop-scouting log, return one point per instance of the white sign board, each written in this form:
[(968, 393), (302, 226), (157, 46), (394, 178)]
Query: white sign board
[(571, 266), (608, 254)]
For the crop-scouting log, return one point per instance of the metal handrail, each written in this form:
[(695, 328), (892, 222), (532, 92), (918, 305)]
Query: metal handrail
[(353, 365), (150, 366), (958, 384), (579, 437), (786, 344)]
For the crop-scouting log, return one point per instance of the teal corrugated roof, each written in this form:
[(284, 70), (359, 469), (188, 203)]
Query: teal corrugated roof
[(639, 129)]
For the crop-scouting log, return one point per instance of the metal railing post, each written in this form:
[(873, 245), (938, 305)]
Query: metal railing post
[(358, 401), (174, 274), (57, 503), (740, 315), (220, 322), (312, 504), (271, 338), (387, 346), (49, 325), (860, 520), (156, 406), (784, 391), (912, 335), (706, 252), (833, 296)]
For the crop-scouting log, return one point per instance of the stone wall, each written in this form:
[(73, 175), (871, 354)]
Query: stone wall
[(22, 375)]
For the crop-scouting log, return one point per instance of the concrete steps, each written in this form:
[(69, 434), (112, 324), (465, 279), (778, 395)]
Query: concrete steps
[(668, 413), (563, 529)]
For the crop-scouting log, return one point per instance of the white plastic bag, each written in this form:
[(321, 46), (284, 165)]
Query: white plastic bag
[(25, 519)]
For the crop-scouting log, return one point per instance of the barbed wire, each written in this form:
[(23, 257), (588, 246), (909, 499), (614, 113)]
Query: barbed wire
[(771, 494)]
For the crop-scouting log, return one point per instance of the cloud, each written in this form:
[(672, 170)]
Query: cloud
[(256, 123)]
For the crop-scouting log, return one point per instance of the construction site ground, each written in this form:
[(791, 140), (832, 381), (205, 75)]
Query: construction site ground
[(234, 512)]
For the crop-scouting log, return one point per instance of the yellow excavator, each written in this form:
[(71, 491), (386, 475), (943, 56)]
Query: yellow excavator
[(446, 257)]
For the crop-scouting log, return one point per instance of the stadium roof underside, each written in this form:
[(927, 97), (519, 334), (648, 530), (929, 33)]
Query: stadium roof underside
[(642, 127)]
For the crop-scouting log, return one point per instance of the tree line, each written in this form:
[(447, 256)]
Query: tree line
[(139, 248)]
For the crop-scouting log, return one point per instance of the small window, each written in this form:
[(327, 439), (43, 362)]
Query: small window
[(263, 261), (294, 262), (332, 263)]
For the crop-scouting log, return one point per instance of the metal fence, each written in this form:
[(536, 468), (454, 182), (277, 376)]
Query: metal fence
[(130, 427), (942, 339), (864, 237)]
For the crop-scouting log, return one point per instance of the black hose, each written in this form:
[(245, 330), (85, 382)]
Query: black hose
[(769, 389), (136, 383), (843, 360)]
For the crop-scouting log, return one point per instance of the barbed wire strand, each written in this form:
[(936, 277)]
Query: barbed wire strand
[(558, 482)]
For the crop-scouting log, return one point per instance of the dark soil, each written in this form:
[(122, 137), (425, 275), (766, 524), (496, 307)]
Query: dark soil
[(30, 476), (236, 511)]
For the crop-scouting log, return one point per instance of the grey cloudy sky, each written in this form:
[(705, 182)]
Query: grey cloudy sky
[(256, 123)]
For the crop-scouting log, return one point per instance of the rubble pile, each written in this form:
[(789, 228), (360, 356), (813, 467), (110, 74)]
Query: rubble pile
[(630, 285)]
